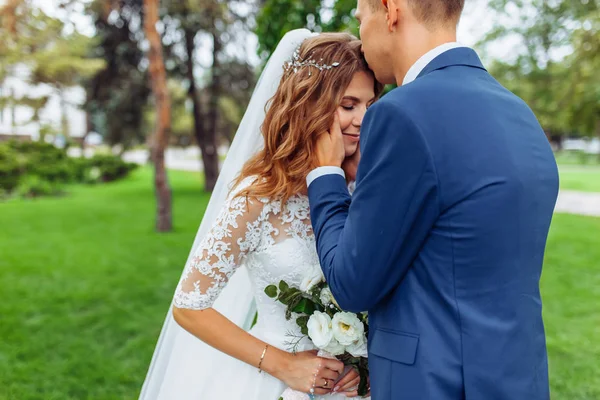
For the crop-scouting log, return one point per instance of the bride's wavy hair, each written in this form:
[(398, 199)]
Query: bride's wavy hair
[(302, 108)]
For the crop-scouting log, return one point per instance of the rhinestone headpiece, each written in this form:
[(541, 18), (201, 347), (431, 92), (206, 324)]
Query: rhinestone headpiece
[(296, 63)]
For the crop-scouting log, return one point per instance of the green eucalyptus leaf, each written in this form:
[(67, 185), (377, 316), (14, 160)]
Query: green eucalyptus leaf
[(303, 324), (288, 296), (304, 330), (271, 291), (304, 306)]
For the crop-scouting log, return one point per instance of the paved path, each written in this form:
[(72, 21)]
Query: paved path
[(569, 202), (581, 203)]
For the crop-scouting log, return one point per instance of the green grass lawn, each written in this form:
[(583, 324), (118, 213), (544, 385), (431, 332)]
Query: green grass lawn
[(576, 157), (85, 283), (571, 295), (579, 171), (580, 177)]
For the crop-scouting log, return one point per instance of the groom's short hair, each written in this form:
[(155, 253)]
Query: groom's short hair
[(431, 12)]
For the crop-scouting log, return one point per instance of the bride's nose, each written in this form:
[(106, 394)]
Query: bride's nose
[(357, 121)]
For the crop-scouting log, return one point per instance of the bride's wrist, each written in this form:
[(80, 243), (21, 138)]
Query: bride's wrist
[(276, 361)]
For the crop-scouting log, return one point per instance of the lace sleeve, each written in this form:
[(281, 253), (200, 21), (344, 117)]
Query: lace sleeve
[(231, 238)]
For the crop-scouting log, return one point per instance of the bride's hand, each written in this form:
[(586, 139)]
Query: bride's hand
[(307, 371), (348, 385)]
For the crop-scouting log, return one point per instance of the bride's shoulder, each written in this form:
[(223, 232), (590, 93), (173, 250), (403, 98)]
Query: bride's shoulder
[(241, 194), (239, 186)]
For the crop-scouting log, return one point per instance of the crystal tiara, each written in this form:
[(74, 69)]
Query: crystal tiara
[(296, 63)]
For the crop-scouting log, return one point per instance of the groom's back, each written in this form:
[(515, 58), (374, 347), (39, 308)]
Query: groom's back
[(475, 283)]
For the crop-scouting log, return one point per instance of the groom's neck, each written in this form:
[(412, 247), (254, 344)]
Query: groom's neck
[(414, 42)]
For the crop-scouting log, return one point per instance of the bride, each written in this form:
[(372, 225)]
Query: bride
[(256, 232)]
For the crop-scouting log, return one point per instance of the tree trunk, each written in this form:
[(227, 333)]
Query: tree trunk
[(210, 155), (211, 171), (163, 117)]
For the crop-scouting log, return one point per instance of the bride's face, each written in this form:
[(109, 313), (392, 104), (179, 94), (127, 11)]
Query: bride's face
[(357, 98)]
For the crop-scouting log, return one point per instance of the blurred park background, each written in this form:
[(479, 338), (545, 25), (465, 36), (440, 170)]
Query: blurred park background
[(115, 114)]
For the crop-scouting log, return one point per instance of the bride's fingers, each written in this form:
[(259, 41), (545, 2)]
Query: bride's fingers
[(352, 384), (321, 391), (325, 383), (333, 365), (327, 374), (350, 376), (354, 393)]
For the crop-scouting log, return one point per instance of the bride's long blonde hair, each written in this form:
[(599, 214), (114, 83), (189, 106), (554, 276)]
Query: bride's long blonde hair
[(301, 109)]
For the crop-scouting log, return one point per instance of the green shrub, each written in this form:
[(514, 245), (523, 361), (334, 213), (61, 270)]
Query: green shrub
[(45, 160), (35, 186), (107, 168), (10, 169), (80, 167), (38, 168)]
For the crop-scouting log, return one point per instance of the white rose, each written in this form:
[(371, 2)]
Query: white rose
[(313, 278), (347, 328), (335, 348), (358, 348), (319, 329), (326, 296)]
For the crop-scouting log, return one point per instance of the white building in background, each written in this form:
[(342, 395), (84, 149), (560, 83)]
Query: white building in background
[(17, 85)]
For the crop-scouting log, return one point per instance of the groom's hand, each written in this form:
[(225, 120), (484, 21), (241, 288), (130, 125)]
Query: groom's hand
[(330, 145)]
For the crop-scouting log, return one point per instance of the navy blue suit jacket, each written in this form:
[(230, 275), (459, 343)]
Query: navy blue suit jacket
[(443, 240)]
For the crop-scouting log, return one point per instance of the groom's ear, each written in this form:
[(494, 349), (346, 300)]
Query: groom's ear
[(392, 13)]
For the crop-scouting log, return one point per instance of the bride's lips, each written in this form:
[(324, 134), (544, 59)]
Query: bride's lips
[(352, 136)]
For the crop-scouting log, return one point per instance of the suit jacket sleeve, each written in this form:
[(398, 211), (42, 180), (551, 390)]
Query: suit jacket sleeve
[(367, 243)]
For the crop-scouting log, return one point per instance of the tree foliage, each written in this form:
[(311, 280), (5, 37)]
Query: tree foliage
[(118, 94), (315, 15), (38, 43), (562, 90), (212, 94)]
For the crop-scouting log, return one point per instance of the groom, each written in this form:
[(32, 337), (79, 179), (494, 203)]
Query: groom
[(443, 240)]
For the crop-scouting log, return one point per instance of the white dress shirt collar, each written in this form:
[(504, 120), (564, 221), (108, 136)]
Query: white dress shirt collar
[(426, 58)]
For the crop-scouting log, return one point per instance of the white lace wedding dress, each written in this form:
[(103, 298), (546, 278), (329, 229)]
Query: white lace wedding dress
[(274, 242)]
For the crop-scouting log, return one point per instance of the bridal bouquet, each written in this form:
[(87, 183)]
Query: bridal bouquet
[(333, 331)]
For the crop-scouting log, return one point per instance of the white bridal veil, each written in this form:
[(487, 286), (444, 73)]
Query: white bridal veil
[(181, 364)]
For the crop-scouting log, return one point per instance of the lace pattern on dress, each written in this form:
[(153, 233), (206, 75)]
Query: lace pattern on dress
[(243, 227)]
